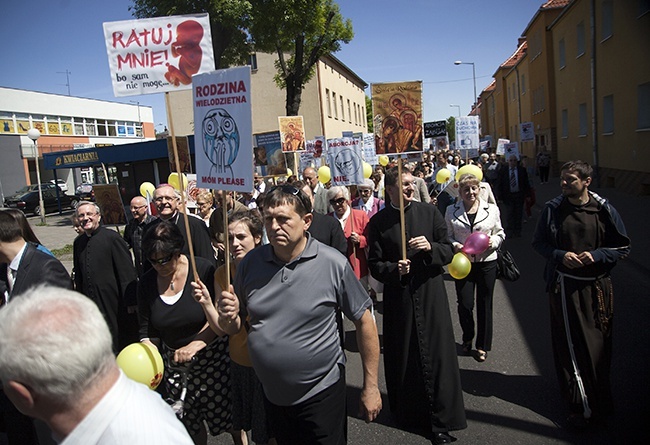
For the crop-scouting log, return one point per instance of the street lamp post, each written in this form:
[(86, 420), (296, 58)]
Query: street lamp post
[(34, 134), (458, 62), (457, 106)]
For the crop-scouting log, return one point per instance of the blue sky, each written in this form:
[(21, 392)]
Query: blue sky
[(394, 41)]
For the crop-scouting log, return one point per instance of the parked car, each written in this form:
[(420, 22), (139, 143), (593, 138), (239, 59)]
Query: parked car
[(62, 184), (85, 192), (27, 199)]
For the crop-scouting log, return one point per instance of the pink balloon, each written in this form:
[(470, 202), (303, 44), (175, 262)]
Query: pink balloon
[(476, 243)]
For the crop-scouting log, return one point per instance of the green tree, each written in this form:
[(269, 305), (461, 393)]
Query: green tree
[(300, 32), (371, 125), (229, 21), (451, 128)]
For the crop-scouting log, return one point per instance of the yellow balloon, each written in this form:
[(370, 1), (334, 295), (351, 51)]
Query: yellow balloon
[(383, 160), (367, 170), (470, 169), (147, 187), (143, 363), (460, 266), (443, 175), (175, 181), (324, 174), (289, 172)]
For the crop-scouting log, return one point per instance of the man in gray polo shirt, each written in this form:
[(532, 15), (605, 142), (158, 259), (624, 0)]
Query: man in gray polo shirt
[(289, 292)]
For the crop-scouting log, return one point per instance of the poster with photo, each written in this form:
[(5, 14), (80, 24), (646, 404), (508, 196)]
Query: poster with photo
[(269, 155), (344, 158)]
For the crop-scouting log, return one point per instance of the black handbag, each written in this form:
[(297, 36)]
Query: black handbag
[(506, 267)]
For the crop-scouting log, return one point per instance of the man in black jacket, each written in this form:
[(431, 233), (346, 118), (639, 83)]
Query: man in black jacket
[(513, 188), (23, 266)]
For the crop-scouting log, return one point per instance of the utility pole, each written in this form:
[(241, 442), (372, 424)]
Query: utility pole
[(67, 78)]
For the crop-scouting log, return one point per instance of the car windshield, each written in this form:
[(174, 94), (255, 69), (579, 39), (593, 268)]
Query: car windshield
[(27, 188)]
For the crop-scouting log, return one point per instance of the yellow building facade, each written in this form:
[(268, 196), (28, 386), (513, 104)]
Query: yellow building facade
[(585, 88)]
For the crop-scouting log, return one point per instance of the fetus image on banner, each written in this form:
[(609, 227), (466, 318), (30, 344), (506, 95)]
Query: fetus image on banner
[(187, 47), (221, 140)]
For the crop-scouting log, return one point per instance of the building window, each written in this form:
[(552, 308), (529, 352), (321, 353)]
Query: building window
[(66, 126), (582, 120), (561, 53), (580, 39), (643, 110), (565, 123), (356, 114), (91, 128), (607, 28), (328, 104), (78, 126), (252, 61), (52, 125), (349, 112), (608, 114), (523, 84), (101, 128), (342, 108), (336, 110)]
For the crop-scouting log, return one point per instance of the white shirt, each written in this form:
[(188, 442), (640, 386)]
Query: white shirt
[(12, 268), (129, 413)]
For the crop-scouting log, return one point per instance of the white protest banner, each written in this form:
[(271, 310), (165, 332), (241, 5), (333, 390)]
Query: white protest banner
[(501, 145), (511, 149), (344, 156), (467, 129), (158, 54), (369, 153), (223, 129), (527, 132)]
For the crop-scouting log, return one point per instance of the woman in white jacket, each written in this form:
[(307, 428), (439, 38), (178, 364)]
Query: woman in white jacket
[(472, 214)]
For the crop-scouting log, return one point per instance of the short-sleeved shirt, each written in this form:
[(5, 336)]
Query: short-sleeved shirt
[(293, 339)]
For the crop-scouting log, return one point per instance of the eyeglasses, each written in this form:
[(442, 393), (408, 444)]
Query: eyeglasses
[(161, 261), (364, 191), (291, 190), (337, 202)]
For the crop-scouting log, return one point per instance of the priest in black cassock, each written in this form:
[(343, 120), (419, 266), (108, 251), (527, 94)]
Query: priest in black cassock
[(420, 362), (104, 272)]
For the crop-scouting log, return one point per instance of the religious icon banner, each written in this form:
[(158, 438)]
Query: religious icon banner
[(292, 133), (397, 117)]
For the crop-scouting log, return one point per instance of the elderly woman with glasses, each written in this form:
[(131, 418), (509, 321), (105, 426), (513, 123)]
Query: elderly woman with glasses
[(354, 223), (204, 205), (196, 364)]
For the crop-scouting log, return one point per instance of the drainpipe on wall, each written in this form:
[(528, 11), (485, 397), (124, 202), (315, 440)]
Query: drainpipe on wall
[(594, 96)]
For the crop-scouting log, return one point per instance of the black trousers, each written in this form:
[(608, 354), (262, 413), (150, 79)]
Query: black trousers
[(481, 278), (321, 420)]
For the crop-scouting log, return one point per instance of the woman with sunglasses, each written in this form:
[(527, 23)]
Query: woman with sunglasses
[(246, 393), (354, 223), (171, 320)]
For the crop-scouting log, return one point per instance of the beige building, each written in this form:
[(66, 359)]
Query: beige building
[(586, 90), (333, 101)]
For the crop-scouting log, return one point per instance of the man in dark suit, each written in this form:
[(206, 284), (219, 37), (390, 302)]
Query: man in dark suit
[(324, 228), (513, 189), (22, 266)]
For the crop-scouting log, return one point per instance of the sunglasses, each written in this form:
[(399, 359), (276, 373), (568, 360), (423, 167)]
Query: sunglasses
[(161, 261), (291, 190), (337, 202)]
